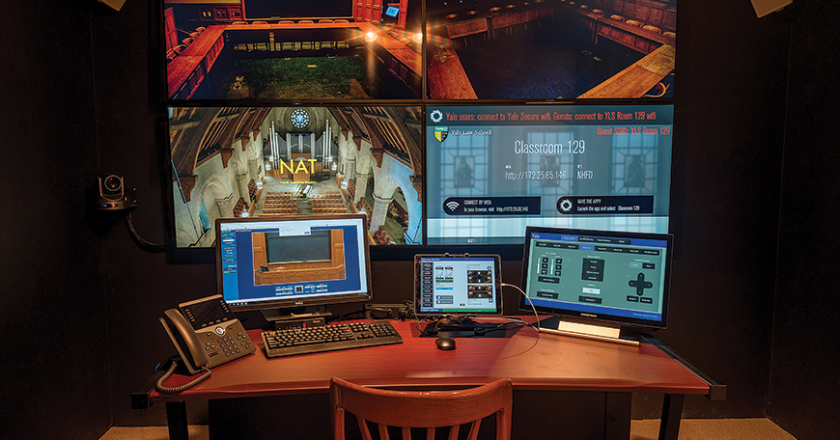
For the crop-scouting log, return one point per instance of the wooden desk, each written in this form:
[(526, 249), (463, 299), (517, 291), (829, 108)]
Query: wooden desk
[(533, 361)]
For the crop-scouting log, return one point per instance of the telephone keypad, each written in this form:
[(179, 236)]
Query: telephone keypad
[(226, 343)]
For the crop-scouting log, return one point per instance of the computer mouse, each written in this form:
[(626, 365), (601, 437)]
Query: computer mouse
[(445, 344)]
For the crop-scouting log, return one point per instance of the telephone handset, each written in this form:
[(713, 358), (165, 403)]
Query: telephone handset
[(206, 334)]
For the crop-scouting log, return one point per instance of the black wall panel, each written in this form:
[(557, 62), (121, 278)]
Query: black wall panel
[(82, 97)]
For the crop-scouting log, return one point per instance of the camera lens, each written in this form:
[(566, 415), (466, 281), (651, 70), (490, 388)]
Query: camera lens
[(112, 183)]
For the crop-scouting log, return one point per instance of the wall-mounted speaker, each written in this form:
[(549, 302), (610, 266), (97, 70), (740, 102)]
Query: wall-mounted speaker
[(116, 4), (764, 7)]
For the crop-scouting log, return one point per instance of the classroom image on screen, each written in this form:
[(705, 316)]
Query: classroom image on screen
[(318, 256)]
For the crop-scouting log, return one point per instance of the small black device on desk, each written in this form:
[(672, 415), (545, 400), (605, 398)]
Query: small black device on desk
[(295, 341), (445, 343)]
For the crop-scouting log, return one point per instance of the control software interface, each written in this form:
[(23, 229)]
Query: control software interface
[(297, 261), (457, 285), (621, 278), (493, 170)]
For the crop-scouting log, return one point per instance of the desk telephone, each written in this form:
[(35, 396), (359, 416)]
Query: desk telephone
[(206, 334)]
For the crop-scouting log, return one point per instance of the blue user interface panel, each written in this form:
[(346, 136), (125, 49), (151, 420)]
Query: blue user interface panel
[(623, 278), (493, 170), (295, 260), (457, 285)]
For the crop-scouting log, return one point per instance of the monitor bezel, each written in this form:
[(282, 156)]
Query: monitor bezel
[(296, 302), (418, 276), (526, 306)]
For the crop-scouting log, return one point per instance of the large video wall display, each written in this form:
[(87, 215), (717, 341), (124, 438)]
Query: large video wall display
[(293, 50), (491, 171), (276, 162), (447, 123), (550, 49)]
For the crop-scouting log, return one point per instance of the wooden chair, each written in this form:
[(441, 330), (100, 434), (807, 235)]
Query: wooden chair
[(422, 409)]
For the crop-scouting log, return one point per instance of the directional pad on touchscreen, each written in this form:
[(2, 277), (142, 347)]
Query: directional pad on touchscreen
[(640, 284)]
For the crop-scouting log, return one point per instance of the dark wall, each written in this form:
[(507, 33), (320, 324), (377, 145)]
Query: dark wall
[(86, 102), (730, 87), (804, 387), (52, 304)]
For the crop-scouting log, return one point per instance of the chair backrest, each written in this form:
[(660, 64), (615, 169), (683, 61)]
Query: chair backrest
[(422, 409)]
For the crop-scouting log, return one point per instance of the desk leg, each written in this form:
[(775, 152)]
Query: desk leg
[(669, 426), (617, 416), (176, 418)]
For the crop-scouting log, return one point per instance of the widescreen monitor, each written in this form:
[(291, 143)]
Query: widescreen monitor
[(270, 50), (230, 162), (292, 262), (491, 171), (551, 50), (619, 277)]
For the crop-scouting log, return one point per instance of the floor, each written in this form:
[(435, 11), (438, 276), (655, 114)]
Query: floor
[(716, 429)]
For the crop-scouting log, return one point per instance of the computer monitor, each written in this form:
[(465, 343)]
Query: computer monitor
[(493, 170), (605, 278), (392, 10), (457, 285), (295, 160), (550, 50), (452, 290), (310, 260)]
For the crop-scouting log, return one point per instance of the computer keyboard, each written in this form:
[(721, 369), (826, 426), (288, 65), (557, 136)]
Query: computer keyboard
[(291, 342)]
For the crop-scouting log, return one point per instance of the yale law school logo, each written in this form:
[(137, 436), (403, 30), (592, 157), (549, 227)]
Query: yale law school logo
[(441, 133)]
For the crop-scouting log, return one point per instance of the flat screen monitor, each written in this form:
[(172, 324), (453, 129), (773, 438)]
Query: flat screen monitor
[(620, 277), (272, 50), (491, 171), (392, 11), (272, 263), (551, 50), (457, 285), (281, 161)]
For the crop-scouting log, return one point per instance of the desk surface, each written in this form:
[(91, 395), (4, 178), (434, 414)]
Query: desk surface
[(533, 361)]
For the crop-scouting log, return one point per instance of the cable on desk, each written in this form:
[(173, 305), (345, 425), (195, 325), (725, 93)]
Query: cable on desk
[(166, 390), (536, 324), (466, 324)]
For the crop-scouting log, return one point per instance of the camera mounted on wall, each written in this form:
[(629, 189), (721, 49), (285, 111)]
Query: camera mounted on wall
[(113, 196)]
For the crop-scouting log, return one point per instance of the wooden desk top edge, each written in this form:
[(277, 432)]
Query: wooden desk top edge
[(284, 376)]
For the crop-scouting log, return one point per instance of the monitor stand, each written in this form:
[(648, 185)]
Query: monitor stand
[(296, 318), (585, 328)]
